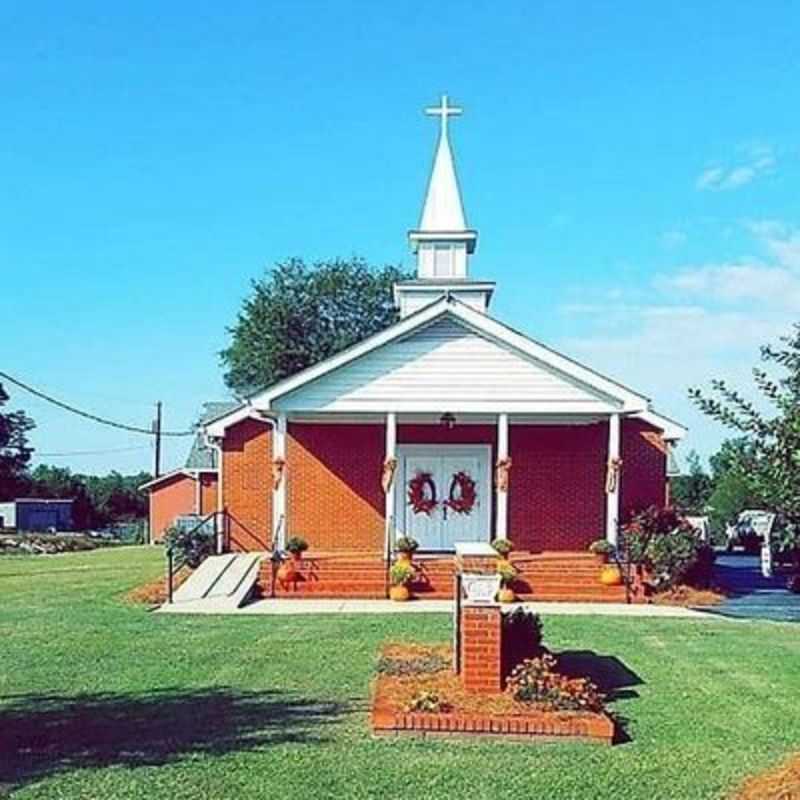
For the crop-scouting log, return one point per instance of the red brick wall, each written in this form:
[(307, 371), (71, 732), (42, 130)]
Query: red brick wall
[(247, 484), (556, 488), (208, 493), (334, 496), (644, 468), (481, 649), (174, 496)]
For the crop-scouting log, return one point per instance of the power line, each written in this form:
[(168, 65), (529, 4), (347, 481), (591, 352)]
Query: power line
[(91, 452), (102, 420)]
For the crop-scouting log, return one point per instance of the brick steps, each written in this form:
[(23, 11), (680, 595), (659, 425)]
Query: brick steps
[(544, 576)]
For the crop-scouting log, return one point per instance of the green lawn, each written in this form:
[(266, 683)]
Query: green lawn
[(102, 700)]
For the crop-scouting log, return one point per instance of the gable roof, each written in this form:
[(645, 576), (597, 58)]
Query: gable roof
[(616, 395)]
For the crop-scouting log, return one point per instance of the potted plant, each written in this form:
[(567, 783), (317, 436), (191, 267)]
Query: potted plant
[(405, 547), (507, 573), (601, 549), (286, 571), (400, 575), (296, 546)]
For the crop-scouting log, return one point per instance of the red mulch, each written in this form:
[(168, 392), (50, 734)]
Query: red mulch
[(688, 596), (779, 783), (400, 691), (154, 593)]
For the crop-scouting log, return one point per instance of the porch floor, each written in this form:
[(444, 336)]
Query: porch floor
[(547, 576)]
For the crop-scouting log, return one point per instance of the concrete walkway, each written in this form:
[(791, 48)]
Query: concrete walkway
[(288, 607)]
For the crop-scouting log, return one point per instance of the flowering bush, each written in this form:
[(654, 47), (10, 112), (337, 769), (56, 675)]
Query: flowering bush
[(401, 573), (425, 701), (507, 573), (665, 544), (536, 681)]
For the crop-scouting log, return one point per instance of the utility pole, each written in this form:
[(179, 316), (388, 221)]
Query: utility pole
[(157, 432)]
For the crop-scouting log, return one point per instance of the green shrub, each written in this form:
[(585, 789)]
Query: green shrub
[(189, 546), (667, 546), (405, 544), (537, 681), (296, 545), (503, 546), (523, 631), (601, 547)]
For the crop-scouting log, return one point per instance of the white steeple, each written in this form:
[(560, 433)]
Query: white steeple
[(443, 210), (443, 242)]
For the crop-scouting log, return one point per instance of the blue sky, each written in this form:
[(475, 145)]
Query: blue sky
[(632, 169)]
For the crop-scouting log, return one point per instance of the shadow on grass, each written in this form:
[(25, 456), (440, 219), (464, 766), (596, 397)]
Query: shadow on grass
[(45, 734), (611, 676)]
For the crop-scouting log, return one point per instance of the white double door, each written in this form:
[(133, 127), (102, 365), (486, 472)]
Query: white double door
[(440, 527)]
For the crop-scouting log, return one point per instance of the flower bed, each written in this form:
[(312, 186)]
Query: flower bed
[(417, 693)]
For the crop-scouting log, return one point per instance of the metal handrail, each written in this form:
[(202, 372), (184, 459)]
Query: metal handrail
[(175, 564), (276, 541), (387, 555)]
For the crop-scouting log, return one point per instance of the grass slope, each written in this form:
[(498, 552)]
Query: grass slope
[(99, 699)]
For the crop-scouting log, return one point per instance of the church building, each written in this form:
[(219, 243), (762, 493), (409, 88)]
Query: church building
[(449, 426)]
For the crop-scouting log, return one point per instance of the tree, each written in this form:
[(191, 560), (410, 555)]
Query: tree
[(15, 453), (690, 492), (297, 315), (771, 461), (99, 499)]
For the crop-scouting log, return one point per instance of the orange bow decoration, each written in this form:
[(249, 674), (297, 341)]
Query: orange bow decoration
[(612, 474), (502, 472), (387, 474)]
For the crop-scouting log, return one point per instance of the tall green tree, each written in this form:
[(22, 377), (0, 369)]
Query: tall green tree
[(297, 315), (99, 499), (690, 492), (15, 452), (771, 457)]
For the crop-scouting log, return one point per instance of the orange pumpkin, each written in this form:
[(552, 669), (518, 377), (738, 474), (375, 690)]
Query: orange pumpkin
[(399, 593), (610, 576), (506, 595)]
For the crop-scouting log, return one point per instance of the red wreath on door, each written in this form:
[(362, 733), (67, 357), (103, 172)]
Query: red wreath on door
[(422, 493), (462, 496)]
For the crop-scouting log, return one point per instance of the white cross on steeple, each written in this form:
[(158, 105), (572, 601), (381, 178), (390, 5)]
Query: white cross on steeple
[(444, 111)]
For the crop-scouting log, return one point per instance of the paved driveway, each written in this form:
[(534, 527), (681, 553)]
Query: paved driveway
[(752, 595)]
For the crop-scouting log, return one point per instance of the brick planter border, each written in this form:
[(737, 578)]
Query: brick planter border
[(542, 726)]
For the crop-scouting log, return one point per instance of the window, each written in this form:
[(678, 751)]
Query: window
[(442, 261)]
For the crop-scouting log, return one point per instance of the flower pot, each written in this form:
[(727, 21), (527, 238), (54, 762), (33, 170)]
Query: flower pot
[(286, 572), (297, 557), (399, 593), (506, 595), (405, 556), (610, 576)]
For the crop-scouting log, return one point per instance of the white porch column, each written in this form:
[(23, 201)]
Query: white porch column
[(613, 478), (279, 490), (501, 493), (390, 463)]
